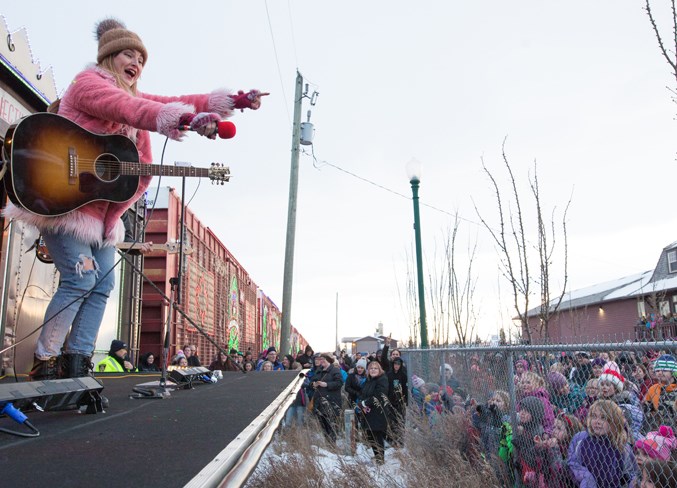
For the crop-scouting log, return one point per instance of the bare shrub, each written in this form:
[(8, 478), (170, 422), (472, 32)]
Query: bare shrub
[(443, 450)]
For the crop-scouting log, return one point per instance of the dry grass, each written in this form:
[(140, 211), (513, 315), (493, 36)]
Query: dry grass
[(432, 456)]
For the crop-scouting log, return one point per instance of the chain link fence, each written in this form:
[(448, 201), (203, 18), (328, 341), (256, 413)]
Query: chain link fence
[(559, 415)]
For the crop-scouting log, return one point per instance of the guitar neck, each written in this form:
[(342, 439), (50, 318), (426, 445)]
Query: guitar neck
[(143, 169)]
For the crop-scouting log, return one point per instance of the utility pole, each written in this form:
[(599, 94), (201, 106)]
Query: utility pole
[(285, 331)]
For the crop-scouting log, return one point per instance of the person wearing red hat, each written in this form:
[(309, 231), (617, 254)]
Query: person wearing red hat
[(611, 387), (105, 99)]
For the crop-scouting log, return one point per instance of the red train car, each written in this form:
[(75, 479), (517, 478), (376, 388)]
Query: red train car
[(216, 292)]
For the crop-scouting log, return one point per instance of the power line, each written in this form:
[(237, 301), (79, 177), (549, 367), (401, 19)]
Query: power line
[(378, 185), (277, 61)]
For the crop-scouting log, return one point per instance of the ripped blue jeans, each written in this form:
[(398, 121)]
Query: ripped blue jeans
[(80, 300)]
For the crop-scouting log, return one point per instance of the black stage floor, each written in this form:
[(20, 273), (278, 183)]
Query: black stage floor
[(144, 443)]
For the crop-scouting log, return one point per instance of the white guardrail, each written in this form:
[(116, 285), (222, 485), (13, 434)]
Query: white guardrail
[(235, 463)]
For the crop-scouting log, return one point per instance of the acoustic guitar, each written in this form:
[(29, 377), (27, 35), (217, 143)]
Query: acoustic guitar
[(54, 166)]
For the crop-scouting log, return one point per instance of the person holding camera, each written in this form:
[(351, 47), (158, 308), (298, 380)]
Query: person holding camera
[(327, 400)]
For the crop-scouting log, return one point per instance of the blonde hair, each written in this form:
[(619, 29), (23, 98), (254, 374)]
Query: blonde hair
[(613, 414), (537, 380), (108, 64), (380, 368)]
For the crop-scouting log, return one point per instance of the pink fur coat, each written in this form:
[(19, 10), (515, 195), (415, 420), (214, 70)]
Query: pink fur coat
[(96, 103)]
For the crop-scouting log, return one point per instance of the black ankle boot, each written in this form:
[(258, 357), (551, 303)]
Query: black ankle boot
[(47, 369), (77, 365)]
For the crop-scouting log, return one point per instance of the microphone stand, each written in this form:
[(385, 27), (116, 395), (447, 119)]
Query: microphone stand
[(162, 391), (173, 300)]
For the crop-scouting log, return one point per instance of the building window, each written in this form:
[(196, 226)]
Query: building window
[(641, 311), (672, 261), (674, 303), (664, 308)]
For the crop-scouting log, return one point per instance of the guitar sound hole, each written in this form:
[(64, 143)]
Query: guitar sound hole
[(107, 167)]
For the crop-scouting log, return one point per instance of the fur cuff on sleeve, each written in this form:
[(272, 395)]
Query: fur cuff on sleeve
[(168, 119), (220, 101)]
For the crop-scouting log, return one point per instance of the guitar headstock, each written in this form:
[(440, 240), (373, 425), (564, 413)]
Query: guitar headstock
[(218, 172)]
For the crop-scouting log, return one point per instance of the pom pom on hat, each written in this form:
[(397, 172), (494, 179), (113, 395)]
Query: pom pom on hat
[(114, 37), (658, 445), (613, 377), (416, 381)]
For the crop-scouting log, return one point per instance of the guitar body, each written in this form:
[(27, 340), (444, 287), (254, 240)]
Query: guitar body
[(55, 166)]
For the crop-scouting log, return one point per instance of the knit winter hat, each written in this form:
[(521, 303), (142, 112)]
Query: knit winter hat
[(556, 380), (598, 362), (666, 362), (524, 363), (658, 445), (114, 37), (448, 369), (416, 381), (613, 377), (116, 345), (362, 363)]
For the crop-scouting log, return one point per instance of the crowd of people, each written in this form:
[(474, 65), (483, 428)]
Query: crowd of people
[(583, 419), (374, 386)]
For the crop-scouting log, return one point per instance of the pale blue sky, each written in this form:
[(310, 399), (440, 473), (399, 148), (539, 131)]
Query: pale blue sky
[(578, 86)]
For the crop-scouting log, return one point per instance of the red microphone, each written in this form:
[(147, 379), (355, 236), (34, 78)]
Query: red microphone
[(226, 129)]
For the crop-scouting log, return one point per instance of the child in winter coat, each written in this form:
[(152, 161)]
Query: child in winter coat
[(557, 472), (492, 421), (611, 387), (528, 459), (659, 402), (532, 385), (432, 403), (418, 392), (566, 396), (355, 381), (657, 445), (488, 419), (601, 456)]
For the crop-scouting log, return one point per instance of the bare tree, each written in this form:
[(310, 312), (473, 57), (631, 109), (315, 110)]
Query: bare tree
[(409, 300), (451, 293), (516, 252), (671, 54)]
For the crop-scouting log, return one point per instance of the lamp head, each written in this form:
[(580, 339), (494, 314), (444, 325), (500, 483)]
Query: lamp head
[(414, 170)]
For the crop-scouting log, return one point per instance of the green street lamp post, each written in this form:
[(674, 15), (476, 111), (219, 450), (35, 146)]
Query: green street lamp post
[(414, 173)]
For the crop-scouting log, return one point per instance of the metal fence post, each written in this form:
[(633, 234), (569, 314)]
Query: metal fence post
[(511, 387), (349, 445)]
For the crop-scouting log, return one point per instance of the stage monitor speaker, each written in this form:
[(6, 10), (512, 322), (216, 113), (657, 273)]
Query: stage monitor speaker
[(64, 394), (186, 376)]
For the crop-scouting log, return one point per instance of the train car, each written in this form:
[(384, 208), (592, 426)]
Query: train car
[(221, 303)]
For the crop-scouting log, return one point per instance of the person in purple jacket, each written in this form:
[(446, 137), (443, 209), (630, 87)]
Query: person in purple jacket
[(601, 455)]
